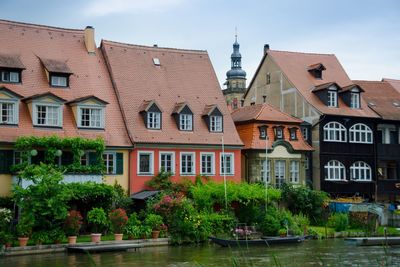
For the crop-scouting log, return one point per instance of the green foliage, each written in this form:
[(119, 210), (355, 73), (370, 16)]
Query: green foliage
[(56, 235), (154, 221), (306, 201), (205, 196), (5, 218), (302, 222), (25, 225), (51, 144), (133, 227), (161, 181), (73, 223), (97, 219), (145, 231), (118, 220), (271, 223), (338, 221), (45, 201), (121, 198), (40, 237)]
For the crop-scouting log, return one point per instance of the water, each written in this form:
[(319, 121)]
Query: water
[(310, 253)]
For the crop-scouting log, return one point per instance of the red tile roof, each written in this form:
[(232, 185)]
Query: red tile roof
[(382, 97), (30, 42), (182, 76), (57, 66), (393, 82)]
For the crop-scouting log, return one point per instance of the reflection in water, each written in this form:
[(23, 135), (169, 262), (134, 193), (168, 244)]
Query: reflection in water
[(311, 253)]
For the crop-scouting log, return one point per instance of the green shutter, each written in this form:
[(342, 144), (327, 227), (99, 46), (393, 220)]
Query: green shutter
[(92, 158), (120, 163), (67, 158), (6, 161)]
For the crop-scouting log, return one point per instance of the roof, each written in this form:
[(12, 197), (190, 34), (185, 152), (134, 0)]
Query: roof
[(36, 96), (294, 66), (53, 65), (393, 82), (182, 76), (381, 97), (179, 107), (325, 86), (84, 98), (316, 66), (90, 77), (263, 113), (11, 61), (145, 194)]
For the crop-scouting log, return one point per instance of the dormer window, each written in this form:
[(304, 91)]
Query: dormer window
[(57, 72), (332, 98), (58, 80), (9, 76), (216, 123), (185, 122), (278, 132), (183, 116), (10, 69), (293, 133), (89, 112), (354, 100), (9, 102), (151, 113), (316, 70), (263, 132), (351, 96), (214, 119)]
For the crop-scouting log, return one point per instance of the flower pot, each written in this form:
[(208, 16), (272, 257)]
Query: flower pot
[(118, 237), (96, 238), (71, 240), (23, 241), (155, 234)]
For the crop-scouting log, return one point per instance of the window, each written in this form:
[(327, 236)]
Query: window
[(10, 76), (91, 117), (332, 99), (47, 115), (294, 172), (227, 164), (185, 122), (263, 132), (8, 113), (354, 100), (268, 78), (387, 134), (167, 162), (207, 163), (187, 163), (360, 171), (59, 81), (109, 162), (216, 123), (335, 171), (85, 159), (280, 170), (334, 132), (154, 120), (293, 135), (387, 170), (145, 162), (278, 133), (268, 168), (304, 131), (360, 133)]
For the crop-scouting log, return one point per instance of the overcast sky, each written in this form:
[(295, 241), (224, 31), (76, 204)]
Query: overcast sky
[(364, 34)]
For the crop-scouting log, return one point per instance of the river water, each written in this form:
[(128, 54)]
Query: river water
[(310, 253)]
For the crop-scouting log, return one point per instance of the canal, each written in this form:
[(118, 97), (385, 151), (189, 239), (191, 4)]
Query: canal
[(310, 253)]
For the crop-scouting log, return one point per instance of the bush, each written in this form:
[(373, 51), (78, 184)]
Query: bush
[(162, 181), (97, 219), (118, 220), (121, 198), (40, 237), (338, 221), (56, 235), (271, 223), (73, 223), (154, 221)]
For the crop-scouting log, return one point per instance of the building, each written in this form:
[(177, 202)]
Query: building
[(315, 88), (54, 81), (384, 99), (235, 80), (175, 113), (263, 125)]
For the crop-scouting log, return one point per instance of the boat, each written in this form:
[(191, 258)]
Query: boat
[(267, 241)]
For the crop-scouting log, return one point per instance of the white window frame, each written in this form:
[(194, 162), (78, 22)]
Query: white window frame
[(294, 171), (35, 113), (86, 155), (15, 111), (360, 133), (102, 117), (355, 100), (55, 80), (232, 160), (114, 160), (154, 120), (216, 124), (186, 122), (193, 155), (333, 132), (212, 154), (11, 74), (170, 153), (335, 171), (151, 163), (263, 167), (363, 169), (332, 99), (280, 170)]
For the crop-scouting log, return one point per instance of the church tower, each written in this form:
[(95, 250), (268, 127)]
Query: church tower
[(235, 79)]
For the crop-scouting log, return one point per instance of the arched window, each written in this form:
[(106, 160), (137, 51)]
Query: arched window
[(335, 132), (360, 133), (360, 171), (335, 171)]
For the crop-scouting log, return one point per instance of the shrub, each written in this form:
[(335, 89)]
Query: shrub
[(121, 198), (5, 219), (154, 221), (40, 237), (338, 221), (56, 235), (97, 219), (271, 223), (162, 181), (118, 220), (25, 224), (73, 223), (133, 231)]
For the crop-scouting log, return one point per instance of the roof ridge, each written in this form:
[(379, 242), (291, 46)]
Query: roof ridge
[(33, 25), (297, 52), (368, 81), (172, 49)]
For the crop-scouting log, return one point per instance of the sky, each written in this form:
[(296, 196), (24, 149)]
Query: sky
[(363, 34)]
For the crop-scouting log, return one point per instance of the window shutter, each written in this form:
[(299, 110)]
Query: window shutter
[(6, 161), (67, 158), (92, 158), (120, 163)]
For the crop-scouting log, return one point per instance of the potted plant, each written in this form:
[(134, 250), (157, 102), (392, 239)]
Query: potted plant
[(145, 231), (40, 237), (5, 230), (72, 225), (118, 220), (97, 219), (282, 232), (155, 222), (133, 231), (24, 230), (6, 238)]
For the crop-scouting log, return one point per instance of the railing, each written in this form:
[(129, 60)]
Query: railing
[(68, 178)]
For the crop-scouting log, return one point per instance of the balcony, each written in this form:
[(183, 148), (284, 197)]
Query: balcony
[(68, 178)]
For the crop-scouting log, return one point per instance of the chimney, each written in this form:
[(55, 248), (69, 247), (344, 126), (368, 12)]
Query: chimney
[(89, 40), (266, 48)]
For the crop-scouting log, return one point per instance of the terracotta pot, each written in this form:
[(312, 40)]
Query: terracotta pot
[(23, 241), (155, 234), (96, 238), (118, 237), (71, 240)]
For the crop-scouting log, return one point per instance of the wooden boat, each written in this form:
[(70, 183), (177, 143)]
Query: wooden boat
[(267, 241)]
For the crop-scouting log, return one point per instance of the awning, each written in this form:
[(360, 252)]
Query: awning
[(144, 195)]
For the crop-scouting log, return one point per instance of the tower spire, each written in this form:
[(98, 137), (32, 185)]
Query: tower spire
[(235, 34)]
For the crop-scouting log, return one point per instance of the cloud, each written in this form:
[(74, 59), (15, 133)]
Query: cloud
[(97, 8)]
